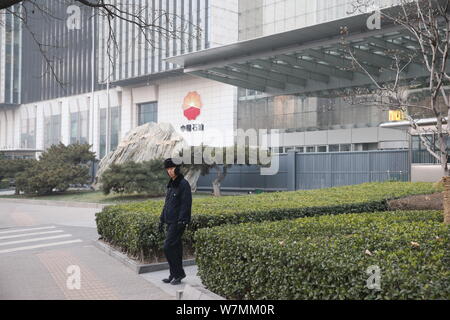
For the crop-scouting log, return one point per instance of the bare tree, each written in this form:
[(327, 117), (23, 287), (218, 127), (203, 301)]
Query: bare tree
[(147, 21), (223, 158), (427, 24)]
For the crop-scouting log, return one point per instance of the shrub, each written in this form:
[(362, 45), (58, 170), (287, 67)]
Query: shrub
[(58, 168), (4, 184), (327, 257), (133, 227), (10, 167), (149, 177)]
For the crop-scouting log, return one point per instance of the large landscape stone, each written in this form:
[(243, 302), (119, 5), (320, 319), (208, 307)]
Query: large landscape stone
[(147, 142)]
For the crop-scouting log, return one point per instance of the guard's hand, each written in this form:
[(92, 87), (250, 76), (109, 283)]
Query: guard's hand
[(161, 227)]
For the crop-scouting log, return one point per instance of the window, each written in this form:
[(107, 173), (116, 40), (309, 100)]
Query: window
[(287, 149), (102, 133), (147, 112), (276, 150), (346, 147), (79, 127), (417, 143), (52, 130), (334, 148), (310, 149), (28, 133), (114, 130), (415, 140), (322, 149), (370, 146)]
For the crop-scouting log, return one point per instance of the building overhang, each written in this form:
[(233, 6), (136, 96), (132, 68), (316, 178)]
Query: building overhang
[(310, 60), (148, 79), (8, 105)]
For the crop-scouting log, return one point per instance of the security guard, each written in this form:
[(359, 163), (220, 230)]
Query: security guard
[(176, 214)]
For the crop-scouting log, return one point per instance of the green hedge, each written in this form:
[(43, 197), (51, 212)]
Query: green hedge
[(327, 257), (133, 227)]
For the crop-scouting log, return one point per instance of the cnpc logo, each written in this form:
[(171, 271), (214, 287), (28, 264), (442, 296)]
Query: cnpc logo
[(73, 21)]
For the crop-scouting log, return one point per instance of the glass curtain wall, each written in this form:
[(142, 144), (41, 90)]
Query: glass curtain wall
[(296, 113), (13, 54), (264, 17)]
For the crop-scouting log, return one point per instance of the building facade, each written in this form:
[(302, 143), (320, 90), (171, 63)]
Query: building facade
[(94, 91)]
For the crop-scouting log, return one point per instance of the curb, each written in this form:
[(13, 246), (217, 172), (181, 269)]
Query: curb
[(132, 264), (197, 293), (56, 203)]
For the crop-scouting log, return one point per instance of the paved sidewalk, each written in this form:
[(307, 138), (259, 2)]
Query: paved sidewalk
[(56, 203), (191, 279), (41, 246), (156, 277), (44, 275)]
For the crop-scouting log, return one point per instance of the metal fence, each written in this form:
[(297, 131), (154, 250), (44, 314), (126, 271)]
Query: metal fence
[(248, 178), (302, 171), (424, 157)]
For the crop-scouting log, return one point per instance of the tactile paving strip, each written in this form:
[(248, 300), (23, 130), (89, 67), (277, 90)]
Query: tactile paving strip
[(91, 288)]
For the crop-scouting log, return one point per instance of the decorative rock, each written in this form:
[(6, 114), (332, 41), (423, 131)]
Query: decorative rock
[(147, 142)]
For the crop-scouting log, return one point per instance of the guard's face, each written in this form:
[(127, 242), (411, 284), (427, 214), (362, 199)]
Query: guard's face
[(171, 172)]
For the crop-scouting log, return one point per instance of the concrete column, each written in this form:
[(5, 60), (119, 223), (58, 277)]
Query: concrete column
[(9, 128), (95, 125), (17, 123), (39, 127), (91, 108), (3, 129), (128, 118), (65, 120)]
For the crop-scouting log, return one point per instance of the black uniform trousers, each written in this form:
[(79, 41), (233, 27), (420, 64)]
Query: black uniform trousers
[(173, 249)]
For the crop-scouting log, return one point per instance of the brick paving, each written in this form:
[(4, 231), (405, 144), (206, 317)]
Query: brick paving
[(39, 243), (58, 263)]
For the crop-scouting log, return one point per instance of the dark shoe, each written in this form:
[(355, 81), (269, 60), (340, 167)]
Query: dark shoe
[(177, 280), (168, 280)]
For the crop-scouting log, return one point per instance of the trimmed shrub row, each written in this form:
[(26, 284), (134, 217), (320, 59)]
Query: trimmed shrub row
[(327, 257), (134, 227)]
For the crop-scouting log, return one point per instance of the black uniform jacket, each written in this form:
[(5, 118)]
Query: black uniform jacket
[(177, 208)]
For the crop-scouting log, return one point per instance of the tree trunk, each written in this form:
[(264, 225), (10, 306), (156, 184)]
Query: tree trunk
[(216, 183), (446, 181)]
